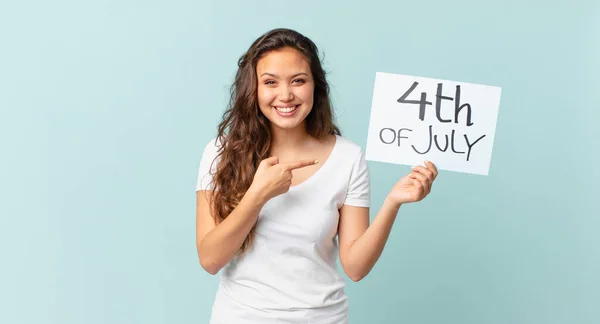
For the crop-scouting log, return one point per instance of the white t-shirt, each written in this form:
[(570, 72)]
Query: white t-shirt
[(290, 274)]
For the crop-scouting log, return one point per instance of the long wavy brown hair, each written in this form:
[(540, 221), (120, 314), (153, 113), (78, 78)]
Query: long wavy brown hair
[(244, 134)]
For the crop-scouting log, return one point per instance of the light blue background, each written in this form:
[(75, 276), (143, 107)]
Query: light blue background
[(106, 105)]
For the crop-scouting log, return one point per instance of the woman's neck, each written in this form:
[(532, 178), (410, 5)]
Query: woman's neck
[(286, 140)]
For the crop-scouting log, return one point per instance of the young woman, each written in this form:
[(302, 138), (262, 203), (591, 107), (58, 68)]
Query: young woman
[(279, 184)]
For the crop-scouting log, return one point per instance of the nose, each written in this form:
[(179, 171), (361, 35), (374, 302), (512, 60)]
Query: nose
[(286, 94)]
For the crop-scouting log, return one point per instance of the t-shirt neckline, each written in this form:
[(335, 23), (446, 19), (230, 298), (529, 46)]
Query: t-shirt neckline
[(320, 170)]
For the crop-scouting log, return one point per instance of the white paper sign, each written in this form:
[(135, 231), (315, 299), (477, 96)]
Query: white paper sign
[(449, 123)]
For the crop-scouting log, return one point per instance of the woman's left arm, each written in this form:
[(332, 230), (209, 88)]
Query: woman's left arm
[(361, 244)]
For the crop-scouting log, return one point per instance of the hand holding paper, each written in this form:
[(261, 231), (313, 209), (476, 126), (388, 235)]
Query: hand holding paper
[(415, 186)]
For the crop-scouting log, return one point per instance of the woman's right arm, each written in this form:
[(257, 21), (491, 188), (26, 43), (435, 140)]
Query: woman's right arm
[(218, 244)]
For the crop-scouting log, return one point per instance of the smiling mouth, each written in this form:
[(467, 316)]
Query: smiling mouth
[(287, 110)]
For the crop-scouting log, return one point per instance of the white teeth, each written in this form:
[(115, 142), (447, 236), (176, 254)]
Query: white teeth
[(286, 109)]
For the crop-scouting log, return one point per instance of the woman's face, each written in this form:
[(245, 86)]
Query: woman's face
[(285, 88)]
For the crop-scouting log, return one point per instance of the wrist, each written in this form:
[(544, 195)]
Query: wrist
[(391, 204), (255, 196)]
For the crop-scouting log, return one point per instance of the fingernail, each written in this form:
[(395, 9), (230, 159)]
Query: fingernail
[(316, 161)]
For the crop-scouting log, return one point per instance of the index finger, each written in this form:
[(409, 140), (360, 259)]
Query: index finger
[(298, 164)]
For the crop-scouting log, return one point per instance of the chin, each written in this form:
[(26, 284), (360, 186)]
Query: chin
[(285, 124)]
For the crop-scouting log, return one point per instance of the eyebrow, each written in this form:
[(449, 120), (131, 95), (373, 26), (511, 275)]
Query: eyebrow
[(275, 76)]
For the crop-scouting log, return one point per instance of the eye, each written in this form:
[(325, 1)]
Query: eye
[(300, 80), (269, 82)]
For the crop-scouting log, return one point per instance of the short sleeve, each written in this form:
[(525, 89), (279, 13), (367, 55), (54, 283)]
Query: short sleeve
[(359, 191), (207, 167)]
